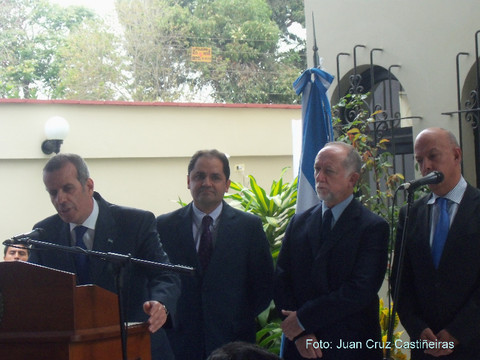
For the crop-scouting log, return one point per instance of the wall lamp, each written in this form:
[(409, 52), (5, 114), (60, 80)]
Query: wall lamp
[(56, 130)]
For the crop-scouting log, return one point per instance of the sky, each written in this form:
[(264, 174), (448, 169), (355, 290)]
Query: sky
[(106, 8), (102, 7)]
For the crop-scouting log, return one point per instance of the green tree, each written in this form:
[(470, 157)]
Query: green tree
[(244, 42), (286, 13), (51, 51), (94, 68), (31, 32), (246, 67), (155, 41)]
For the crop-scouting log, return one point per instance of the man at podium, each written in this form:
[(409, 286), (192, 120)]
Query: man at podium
[(84, 219)]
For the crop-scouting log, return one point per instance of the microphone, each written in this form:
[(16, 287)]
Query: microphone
[(11, 242), (434, 177), (37, 234)]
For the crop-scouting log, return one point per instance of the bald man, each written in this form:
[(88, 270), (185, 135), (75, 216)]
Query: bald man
[(439, 293)]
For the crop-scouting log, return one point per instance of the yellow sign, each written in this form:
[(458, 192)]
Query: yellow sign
[(201, 54)]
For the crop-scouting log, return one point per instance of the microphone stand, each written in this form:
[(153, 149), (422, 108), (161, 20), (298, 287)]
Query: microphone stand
[(119, 261), (398, 277)]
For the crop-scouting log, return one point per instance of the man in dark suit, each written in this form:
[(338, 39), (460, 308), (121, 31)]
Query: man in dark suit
[(330, 267), (234, 269), (439, 295), (150, 293)]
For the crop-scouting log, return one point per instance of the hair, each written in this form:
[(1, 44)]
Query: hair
[(58, 161), (5, 249), (240, 350), (210, 153), (352, 161)]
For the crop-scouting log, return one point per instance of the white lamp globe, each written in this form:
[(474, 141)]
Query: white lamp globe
[(56, 128)]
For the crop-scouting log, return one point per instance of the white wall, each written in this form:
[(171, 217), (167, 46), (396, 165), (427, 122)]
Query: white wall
[(137, 153), (423, 37)]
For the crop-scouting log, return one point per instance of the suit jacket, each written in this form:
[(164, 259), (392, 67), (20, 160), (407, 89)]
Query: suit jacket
[(125, 231), (447, 297), (220, 305), (333, 283)]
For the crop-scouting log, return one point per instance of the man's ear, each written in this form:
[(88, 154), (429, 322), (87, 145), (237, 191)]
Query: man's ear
[(457, 153), (89, 184), (354, 177)]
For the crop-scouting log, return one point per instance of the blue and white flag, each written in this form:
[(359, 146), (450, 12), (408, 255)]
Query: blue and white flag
[(317, 130)]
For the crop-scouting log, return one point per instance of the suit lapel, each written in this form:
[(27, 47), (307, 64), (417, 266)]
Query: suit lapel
[(314, 226), (342, 229), (461, 226), (223, 238), (105, 236), (421, 224), (185, 236), (105, 232), (65, 239), (418, 236)]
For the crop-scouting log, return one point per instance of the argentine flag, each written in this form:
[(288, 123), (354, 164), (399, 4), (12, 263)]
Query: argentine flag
[(317, 130)]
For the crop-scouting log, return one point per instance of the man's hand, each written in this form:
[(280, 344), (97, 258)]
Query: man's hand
[(290, 325), (158, 315), (305, 347), (442, 336)]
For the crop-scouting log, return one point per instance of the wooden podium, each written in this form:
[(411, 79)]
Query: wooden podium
[(45, 316)]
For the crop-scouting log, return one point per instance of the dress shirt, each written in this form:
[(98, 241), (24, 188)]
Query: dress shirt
[(455, 196), (338, 209), (90, 225), (197, 217)]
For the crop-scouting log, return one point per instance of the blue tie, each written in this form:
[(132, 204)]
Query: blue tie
[(441, 231), (81, 261)]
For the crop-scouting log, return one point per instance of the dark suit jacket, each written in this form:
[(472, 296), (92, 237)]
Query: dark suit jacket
[(220, 305), (333, 284), (125, 231), (449, 297)]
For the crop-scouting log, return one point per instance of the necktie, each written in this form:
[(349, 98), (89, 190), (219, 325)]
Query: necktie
[(326, 224), (441, 231), (206, 242), (81, 261)]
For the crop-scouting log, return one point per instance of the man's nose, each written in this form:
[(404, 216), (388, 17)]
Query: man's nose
[(60, 198), (319, 176), (426, 167)]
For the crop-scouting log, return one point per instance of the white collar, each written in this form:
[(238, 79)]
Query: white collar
[(91, 220)]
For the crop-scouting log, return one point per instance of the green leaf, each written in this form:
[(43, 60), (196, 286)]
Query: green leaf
[(260, 195)]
